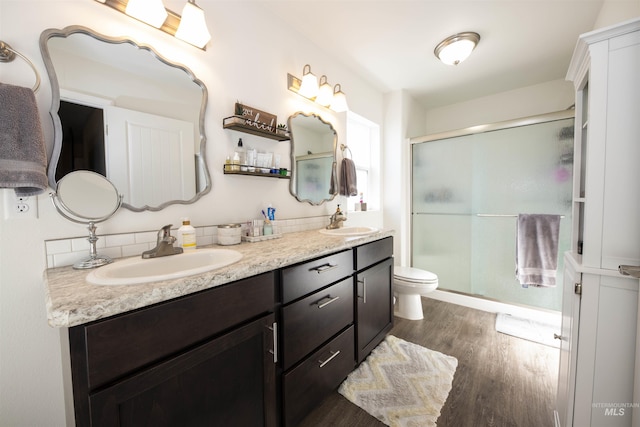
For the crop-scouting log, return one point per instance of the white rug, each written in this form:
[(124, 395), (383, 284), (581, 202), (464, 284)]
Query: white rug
[(401, 383), (536, 331)]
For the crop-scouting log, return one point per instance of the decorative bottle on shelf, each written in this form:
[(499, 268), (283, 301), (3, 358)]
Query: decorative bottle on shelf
[(242, 156), (187, 236)]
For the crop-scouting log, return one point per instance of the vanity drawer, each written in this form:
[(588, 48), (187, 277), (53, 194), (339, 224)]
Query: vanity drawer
[(310, 382), (306, 278), (120, 345), (372, 253), (311, 321)]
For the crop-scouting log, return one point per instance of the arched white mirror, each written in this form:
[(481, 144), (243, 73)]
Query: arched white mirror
[(313, 161), (153, 109), (87, 198)]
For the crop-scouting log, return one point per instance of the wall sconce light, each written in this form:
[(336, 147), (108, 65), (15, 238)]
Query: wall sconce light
[(456, 48), (321, 93), (190, 27)]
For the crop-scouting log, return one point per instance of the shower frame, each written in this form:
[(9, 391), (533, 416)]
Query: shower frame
[(469, 299)]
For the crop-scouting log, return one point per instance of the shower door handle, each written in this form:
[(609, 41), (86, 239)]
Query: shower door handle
[(630, 270)]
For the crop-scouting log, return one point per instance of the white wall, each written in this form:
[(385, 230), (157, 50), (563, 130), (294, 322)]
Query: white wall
[(247, 60)]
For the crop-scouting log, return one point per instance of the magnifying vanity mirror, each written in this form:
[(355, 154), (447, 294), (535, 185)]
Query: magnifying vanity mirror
[(313, 148), (123, 111), (87, 198)]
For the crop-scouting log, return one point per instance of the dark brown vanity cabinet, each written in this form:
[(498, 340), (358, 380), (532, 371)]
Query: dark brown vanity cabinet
[(204, 359), (374, 280), (317, 331)]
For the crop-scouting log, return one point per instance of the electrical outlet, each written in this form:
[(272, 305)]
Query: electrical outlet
[(19, 207)]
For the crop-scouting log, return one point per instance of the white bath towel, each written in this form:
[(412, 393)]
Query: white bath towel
[(537, 249), (23, 156)]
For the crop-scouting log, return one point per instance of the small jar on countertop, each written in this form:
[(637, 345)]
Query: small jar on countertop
[(229, 234)]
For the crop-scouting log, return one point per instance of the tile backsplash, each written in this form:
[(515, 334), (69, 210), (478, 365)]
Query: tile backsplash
[(64, 252)]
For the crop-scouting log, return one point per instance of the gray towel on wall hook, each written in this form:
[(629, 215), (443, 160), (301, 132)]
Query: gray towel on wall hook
[(23, 156)]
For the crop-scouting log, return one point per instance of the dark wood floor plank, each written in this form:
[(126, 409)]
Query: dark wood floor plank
[(500, 381)]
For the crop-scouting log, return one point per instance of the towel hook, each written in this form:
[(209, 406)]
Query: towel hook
[(8, 54)]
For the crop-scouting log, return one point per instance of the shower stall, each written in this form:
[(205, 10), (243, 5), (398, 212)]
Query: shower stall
[(468, 188)]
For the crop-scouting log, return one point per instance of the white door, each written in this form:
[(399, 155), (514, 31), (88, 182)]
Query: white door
[(150, 159)]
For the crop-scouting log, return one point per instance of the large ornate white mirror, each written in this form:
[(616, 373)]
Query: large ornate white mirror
[(125, 112), (313, 161)]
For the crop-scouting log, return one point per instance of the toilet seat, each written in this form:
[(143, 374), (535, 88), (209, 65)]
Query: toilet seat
[(412, 275)]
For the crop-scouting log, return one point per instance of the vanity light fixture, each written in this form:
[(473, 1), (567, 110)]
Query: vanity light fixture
[(322, 94), (456, 48), (325, 92), (339, 102), (309, 87), (193, 27), (150, 12), (190, 27)]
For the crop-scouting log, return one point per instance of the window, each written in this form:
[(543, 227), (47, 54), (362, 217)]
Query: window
[(363, 140)]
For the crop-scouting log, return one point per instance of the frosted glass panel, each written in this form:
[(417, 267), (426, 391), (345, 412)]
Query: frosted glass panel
[(456, 181), (442, 176)]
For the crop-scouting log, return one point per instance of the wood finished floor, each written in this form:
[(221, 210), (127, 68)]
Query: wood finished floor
[(500, 380)]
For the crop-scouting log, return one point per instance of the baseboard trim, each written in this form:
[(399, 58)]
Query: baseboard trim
[(495, 306)]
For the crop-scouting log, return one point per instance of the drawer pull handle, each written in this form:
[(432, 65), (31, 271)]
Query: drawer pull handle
[(329, 301), (333, 356), (274, 329), (324, 267)]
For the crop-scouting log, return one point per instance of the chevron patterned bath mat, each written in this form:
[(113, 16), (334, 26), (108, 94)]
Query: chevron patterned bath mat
[(401, 383)]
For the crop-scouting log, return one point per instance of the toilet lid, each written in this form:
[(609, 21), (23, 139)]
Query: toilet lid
[(416, 275)]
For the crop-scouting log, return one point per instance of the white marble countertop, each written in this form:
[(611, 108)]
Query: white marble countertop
[(72, 301)]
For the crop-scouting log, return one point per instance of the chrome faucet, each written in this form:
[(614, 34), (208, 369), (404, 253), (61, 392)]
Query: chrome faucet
[(164, 246), (336, 219)]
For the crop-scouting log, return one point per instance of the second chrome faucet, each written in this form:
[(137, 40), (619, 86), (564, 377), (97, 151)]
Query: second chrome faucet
[(164, 245)]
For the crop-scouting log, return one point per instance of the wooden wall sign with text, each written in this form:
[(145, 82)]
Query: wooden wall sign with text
[(257, 118)]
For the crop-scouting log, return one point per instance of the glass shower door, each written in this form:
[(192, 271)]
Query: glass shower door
[(467, 193)]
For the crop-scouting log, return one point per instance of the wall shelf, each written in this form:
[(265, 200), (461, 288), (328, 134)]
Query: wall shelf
[(228, 171), (245, 125)]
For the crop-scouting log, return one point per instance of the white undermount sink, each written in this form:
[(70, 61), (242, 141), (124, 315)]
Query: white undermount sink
[(137, 270), (349, 231)]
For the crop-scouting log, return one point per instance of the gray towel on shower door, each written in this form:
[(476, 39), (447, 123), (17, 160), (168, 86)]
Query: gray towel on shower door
[(23, 156), (537, 249)]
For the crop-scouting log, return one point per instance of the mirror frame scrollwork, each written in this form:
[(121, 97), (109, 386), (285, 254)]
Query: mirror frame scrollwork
[(55, 106), (294, 173)]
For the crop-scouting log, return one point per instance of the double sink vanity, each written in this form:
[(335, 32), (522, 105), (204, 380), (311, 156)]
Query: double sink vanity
[(260, 341)]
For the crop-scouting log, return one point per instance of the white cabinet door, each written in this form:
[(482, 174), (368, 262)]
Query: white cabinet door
[(150, 159), (568, 346), (621, 210)]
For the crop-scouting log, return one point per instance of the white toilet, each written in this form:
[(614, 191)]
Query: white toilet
[(408, 285)]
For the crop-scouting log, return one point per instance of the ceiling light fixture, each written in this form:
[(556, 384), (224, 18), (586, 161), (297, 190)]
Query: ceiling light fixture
[(152, 12), (456, 48), (322, 94)]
